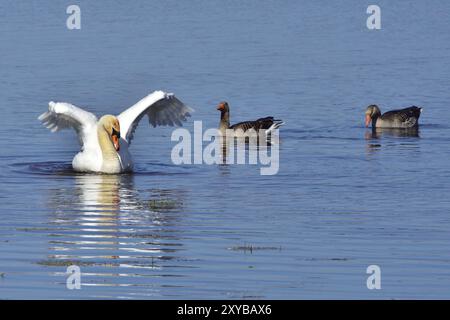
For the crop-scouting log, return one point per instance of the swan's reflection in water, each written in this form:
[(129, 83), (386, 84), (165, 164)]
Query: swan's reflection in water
[(108, 228)]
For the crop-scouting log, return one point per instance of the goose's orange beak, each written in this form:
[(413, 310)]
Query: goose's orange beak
[(220, 107), (368, 120)]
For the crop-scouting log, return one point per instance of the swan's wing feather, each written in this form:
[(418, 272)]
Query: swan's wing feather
[(162, 109), (62, 115)]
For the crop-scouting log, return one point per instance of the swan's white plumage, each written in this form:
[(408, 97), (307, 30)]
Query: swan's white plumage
[(162, 109), (63, 115)]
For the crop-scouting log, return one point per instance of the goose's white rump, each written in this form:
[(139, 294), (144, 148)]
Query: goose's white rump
[(104, 142)]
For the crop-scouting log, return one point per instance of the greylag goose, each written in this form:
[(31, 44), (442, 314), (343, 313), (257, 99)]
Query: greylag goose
[(268, 124), (403, 118)]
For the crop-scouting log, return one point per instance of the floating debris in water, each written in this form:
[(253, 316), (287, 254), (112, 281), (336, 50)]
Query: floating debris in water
[(63, 263), (252, 248), (163, 204)]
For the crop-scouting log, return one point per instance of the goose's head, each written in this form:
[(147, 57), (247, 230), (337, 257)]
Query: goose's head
[(372, 112), (223, 107), (112, 127)]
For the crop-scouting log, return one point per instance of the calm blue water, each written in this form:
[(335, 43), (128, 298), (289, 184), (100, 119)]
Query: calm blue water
[(343, 199)]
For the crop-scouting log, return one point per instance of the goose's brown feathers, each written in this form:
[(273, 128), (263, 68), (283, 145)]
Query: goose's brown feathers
[(402, 115), (262, 123), (402, 118), (267, 123)]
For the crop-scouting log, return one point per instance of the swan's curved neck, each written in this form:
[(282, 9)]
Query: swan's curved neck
[(111, 161)]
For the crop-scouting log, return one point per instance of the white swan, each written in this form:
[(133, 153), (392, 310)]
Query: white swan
[(104, 143)]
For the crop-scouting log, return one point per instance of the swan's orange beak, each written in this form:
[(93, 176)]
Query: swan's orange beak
[(368, 120), (115, 139)]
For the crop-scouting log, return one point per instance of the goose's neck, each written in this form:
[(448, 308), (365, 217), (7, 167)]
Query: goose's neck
[(110, 157), (376, 115), (375, 119), (224, 120)]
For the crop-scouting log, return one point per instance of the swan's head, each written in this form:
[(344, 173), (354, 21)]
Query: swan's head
[(372, 112), (223, 106), (112, 126)]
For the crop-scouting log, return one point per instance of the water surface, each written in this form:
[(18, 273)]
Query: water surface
[(343, 199)]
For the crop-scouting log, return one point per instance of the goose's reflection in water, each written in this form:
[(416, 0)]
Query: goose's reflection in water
[(392, 132), (242, 149), (103, 223), (375, 136)]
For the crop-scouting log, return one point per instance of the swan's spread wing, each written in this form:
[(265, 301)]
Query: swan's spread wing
[(62, 115), (162, 109)]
